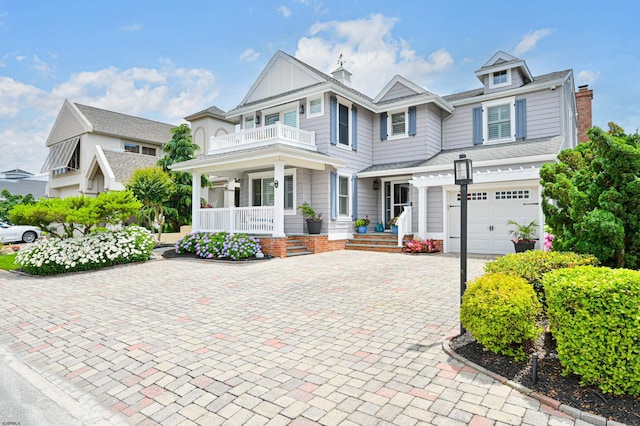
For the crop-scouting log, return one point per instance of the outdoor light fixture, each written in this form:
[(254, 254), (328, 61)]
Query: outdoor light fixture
[(257, 118), (275, 183), (301, 108), (376, 184), (463, 175)]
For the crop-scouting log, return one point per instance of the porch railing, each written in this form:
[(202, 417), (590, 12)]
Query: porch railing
[(250, 220), (405, 221), (263, 136)]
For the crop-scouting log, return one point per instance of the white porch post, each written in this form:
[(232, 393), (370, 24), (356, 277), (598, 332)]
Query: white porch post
[(230, 193), (278, 199), (422, 206), (196, 193)]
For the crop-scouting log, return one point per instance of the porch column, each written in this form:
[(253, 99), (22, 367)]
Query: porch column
[(230, 193), (422, 205), (278, 199), (196, 194)]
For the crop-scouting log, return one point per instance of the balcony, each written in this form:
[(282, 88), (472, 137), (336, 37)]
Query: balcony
[(263, 136)]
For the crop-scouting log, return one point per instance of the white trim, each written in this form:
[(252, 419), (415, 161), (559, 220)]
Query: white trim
[(271, 175), (344, 217), (390, 135), (319, 97), (492, 85), (349, 105), (485, 119), (340, 236), (527, 88)]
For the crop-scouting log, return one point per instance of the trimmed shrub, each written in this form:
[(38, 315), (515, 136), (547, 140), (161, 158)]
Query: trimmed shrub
[(595, 319), (500, 310), (210, 245), (532, 265), (94, 251)]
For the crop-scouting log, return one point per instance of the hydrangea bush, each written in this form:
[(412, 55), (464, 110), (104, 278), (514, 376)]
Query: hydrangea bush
[(215, 245), (94, 251)]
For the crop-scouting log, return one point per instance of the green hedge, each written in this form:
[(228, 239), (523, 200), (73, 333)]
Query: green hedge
[(534, 264), (595, 318), (500, 310)]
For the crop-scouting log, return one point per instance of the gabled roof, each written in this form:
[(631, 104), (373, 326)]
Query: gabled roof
[(212, 111), (396, 81), (124, 163), (125, 126), (502, 61), (16, 174)]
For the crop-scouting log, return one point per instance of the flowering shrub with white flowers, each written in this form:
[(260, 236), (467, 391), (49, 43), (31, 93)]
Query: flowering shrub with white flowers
[(214, 245), (94, 251)]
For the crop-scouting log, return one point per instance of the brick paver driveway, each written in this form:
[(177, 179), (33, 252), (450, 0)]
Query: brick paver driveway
[(338, 338)]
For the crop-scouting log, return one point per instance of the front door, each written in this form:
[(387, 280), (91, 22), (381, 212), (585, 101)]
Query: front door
[(396, 196)]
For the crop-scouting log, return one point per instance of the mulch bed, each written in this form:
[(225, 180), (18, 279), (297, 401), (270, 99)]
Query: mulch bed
[(567, 390), (171, 254)]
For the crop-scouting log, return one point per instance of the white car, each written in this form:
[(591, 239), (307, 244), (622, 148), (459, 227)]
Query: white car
[(16, 233)]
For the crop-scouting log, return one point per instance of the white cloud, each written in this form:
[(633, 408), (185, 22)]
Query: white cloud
[(284, 11), (131, 27), (530, 40), (370, 51), (249, 55), (317, 6), (20, 58), (587, 77), (40, 65)]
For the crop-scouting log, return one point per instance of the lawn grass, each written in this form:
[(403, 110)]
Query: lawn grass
[(6, 262)]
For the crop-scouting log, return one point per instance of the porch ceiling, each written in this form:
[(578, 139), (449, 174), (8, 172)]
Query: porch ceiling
[(235, 163)]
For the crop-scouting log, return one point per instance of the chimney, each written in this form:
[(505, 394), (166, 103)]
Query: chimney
[(584, 96), (343, 76)]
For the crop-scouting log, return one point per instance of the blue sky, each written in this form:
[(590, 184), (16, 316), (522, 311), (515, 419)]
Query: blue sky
[(164, 60)]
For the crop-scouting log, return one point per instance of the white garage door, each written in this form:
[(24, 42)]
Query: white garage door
[(488, 212)]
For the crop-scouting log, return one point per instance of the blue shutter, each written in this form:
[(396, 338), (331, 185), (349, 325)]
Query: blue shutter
[(333, 120), (413, 121), (333, 184), (383, 126), (521, 118), (354, 197), (354, 128), (477, 126)]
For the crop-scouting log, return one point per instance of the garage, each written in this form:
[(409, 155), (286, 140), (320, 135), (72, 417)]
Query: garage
[(487, 216)]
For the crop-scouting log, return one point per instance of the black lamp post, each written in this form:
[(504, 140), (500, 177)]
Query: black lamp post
[(463, 175)]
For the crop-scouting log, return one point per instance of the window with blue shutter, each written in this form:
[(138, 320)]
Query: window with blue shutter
[(477, 126), (333, 120), (383, 126), (413, 123), (354, 197), (521, 119), (354, 128), (333, 184)]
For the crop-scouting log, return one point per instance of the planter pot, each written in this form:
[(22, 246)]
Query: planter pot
[(523, 246), (379, 227), (362, 229), (314, 226), (394, 228)]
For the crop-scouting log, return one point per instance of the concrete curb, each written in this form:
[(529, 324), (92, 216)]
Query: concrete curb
[(543, 399)]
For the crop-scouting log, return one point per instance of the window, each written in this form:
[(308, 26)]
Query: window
[(398, 124), (148, 151), (520, 194), (499, 122), (263, 190), (315, 107), (343, 124), (271, 119), (343, 196), (290, 118), (249, 122), (500, 78), (131, 147)]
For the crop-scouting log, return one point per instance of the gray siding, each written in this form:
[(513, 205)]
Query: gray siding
[(398, 90), (458, 129), (319, 125), (362, 158), (66, 126), (368, 201), (435, 222), (516, 81), (424, 145)]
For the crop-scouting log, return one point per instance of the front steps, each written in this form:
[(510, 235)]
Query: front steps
[(379, 241), (296, 248)]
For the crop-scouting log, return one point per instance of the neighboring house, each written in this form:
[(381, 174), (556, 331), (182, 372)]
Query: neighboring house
[(22, 182), (307, 136), (92, 150)]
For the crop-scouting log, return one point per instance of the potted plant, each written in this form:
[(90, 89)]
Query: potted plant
[(380, 227), (523, 235), (362, 224), (314, 221), (393, 223)]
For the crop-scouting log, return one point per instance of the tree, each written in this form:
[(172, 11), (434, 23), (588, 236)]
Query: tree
[(11, 200), (180, 148), (62, 218), (153, 187), (591, 197)]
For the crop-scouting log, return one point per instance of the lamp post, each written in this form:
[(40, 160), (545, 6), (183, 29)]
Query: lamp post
[(463, 175)]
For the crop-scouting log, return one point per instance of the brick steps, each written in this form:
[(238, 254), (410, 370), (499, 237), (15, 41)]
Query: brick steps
[(296, 248), (378, 242)]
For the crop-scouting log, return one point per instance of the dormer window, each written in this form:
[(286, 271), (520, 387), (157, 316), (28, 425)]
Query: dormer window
[(500, 78)]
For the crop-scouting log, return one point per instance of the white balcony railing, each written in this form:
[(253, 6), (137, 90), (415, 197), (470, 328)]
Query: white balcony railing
[(265, 135), (250, 220)]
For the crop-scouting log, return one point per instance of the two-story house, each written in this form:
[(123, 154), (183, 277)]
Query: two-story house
[(92, 150), (305, 136)]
